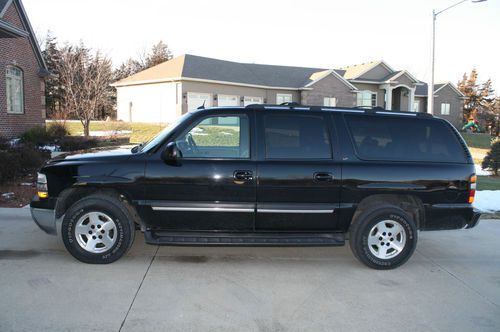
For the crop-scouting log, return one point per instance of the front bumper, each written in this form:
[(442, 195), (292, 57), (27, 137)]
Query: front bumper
[(45, 219)]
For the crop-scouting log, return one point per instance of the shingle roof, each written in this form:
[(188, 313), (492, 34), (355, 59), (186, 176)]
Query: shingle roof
[(356, 70), (421, 90), (197, 67)]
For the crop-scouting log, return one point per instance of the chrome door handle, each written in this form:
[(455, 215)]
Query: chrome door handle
[(242, 176), (323, 176)]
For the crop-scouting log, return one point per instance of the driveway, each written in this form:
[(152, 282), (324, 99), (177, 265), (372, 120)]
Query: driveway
[(451, 283)]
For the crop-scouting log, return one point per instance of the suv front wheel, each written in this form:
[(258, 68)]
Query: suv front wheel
[(383, 237), (98, 229)]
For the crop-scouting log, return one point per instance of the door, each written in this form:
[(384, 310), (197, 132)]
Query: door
[(213, 185), (299, 181)]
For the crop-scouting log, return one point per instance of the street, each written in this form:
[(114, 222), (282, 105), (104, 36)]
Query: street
[(452, 282)]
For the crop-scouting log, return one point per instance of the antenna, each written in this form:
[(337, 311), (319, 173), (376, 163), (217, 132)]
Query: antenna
[(202, 107)]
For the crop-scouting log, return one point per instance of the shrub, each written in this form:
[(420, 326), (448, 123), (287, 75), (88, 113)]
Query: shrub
[(20, 161), (57, 130), (4, 143), (492, 159), (36, 136), (74, 143)]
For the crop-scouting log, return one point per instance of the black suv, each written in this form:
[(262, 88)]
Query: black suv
[(266, 175)]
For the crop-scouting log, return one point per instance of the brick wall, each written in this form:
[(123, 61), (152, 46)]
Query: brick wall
[(18, 52), (329, 86)]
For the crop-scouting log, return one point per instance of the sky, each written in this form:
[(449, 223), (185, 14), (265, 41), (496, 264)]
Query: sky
[(311, 33)]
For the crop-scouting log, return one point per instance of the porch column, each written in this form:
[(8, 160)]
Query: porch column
[(388, 96), (411, 99)]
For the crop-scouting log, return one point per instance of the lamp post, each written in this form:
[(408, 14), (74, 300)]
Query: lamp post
[(430, 91)]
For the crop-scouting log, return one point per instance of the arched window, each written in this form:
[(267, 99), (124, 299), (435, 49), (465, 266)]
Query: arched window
[(15, 93)]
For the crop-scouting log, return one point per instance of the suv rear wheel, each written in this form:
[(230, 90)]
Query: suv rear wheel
[(98, 229), (383, 237)]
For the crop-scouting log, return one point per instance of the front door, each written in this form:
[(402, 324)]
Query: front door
[(213, 186), (299, 181)]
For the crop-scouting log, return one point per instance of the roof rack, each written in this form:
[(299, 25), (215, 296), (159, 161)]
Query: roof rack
[(359, 109)]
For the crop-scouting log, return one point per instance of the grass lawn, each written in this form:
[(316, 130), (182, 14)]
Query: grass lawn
[(141, 132), (488, 183), (482, 141)]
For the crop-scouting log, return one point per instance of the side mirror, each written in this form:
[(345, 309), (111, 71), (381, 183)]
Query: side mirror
[(171, 155)]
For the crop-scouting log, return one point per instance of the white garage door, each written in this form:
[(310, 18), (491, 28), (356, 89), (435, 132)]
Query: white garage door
[(196, 100), (228, 100), (252, 100)]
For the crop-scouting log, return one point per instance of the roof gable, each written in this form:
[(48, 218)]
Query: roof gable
[(19, 25), (439, 87), (374, 70), (318, 76)]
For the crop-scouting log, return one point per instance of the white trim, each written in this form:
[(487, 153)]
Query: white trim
[(451, 85), (200, 209), (293, 211), (7, 5), (381, 62), (343, 110), (337, 75), (181, 78), (401, 73)]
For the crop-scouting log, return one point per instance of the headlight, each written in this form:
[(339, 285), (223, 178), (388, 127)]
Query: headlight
[(41, 186)]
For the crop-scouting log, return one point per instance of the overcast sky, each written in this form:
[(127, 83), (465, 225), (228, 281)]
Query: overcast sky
[(309, 33)]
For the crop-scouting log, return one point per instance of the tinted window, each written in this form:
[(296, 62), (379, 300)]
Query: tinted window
[(404, 139), (291, 136), (217, 137)]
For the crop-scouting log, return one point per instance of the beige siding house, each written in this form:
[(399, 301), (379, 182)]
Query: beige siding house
[(164, 92)]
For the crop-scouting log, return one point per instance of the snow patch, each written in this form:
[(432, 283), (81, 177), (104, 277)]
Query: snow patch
[(487, 200), (480, 171)]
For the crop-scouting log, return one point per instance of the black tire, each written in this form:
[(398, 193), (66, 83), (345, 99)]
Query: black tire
[(110, 206), (366, 221)]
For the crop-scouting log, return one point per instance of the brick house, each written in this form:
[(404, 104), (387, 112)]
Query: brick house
[(22, 72), (163, 92)]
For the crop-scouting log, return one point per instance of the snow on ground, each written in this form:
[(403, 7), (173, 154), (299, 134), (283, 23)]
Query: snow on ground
[(480, 171), (487, 200), (102, 133)]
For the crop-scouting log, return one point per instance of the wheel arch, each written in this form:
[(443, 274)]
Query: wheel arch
[(411, 204), (70, 196)]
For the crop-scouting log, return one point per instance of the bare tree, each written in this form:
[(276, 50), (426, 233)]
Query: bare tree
[(85, 80)]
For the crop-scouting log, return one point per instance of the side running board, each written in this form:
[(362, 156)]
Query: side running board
[(243, 239)]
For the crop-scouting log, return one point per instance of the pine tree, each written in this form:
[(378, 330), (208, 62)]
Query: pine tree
[(53, 89), (159, 54), (478, 97)]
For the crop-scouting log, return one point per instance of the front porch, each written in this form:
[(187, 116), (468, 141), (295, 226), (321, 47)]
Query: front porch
[(399, 97)]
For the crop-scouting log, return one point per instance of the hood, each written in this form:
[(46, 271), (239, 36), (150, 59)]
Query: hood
[(93, 155)]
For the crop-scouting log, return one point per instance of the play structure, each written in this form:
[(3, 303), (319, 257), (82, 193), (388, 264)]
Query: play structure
[(472, 123)]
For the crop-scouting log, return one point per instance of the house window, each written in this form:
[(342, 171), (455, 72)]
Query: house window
[(227, 100), (445, 108), (252, 100), (330, 101), (283, 98), (196, 100), (367, 98), (416, 106), (15, 94)]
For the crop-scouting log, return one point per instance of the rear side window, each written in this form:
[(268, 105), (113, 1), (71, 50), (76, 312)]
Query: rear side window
[(295, 136), (404, 139)]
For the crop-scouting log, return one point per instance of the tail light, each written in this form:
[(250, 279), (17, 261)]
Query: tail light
[(472, 188)]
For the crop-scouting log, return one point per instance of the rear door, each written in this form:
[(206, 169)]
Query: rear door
[(298, 179)]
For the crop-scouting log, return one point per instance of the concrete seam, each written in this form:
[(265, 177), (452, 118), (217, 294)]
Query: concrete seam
[(139, 288), (458, 279)]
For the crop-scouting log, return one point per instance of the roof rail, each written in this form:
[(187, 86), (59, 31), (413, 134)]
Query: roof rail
[(358, 109)]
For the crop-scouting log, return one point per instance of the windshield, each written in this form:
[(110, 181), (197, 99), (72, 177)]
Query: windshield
[(164, 133)]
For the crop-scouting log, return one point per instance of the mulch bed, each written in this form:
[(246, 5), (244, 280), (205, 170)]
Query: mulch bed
[(22, 193)]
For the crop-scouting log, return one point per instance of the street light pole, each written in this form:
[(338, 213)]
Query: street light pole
[(430, 90)]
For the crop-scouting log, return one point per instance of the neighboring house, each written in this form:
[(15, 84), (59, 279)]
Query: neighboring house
[(22, 72), (163, 92)]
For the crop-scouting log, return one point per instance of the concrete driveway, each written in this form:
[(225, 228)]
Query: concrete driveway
[(451, 283)]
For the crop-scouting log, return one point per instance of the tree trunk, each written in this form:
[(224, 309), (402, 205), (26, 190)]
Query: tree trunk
[(86, 128)]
